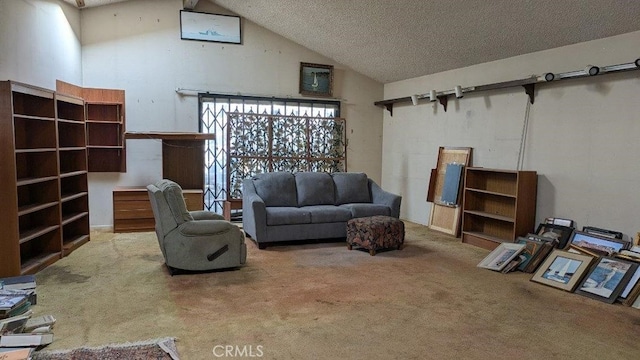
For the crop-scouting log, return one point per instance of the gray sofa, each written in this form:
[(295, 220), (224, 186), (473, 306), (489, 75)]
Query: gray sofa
[(283, 206)]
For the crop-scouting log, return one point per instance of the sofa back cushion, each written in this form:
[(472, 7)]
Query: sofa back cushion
[(276, 188), (351, 188), (314, 188)]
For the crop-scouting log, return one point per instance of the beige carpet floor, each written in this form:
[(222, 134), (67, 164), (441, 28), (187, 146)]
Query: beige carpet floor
[(321, 301)]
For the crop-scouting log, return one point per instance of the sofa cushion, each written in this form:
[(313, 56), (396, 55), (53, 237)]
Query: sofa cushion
[(314, 188), (328, 213), (276, 188), (363, 210), (351, 188), (287, 216), (173, 194)]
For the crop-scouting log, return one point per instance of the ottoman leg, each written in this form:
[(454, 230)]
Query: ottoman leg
[(400, 247), (349, 246), (372, 252)]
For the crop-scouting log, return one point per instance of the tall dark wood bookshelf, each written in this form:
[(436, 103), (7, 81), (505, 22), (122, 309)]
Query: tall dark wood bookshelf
[(43, 176), (72, 155)]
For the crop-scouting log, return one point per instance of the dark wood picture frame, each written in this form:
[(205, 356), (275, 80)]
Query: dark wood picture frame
[(607, 279), (630, 293), (602, 245), (531, 248), (558, 232), (603, 232), (316, 79)]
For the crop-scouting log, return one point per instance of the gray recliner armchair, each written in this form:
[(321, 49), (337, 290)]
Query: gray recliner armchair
[(193, 240)]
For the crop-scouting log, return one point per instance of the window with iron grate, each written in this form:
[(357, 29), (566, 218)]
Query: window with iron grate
[(255, 135)]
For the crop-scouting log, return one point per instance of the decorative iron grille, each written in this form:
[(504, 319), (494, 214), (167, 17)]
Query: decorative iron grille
[(252, 135)]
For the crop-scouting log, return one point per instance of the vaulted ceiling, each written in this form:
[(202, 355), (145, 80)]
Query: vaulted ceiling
[(395, 40)]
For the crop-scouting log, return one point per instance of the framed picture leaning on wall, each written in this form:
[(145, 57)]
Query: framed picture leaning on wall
[(558, 232), (607, 279), (501, 256), (600, 245), (563, 270)]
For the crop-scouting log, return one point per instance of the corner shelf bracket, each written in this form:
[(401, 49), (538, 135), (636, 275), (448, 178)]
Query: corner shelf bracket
[(389, 108), (443, 100), (530, 89)]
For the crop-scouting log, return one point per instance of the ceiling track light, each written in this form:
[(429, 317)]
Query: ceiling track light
[(458, 91), (527, 83), (592, 70)]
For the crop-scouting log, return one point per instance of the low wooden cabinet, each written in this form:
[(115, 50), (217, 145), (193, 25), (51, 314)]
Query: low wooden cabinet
[(499, 206), (132, 209)]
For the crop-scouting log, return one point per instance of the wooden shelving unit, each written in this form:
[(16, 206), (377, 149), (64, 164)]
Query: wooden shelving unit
[(31, 234), (182, 156), (498, 206), (43, 176), (104, 113), (72, 155), (105, 129)]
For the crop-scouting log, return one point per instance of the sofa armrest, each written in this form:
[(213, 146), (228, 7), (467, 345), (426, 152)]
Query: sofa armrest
[(254, 213), (205, 215), (379, 196)]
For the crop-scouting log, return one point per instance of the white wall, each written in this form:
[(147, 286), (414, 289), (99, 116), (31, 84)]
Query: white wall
[(582, 136), (136, 46), (39, 42)]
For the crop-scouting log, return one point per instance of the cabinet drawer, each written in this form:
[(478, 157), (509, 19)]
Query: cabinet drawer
[(131, 225), (130, 195), (132, 209)]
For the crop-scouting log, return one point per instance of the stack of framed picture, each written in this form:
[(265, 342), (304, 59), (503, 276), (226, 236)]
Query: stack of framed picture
[(445, 191), (596, 264), (536, 250), (592, 266)]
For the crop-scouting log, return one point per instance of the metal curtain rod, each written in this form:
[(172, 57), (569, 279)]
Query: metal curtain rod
[(527, 83), (195, 92)]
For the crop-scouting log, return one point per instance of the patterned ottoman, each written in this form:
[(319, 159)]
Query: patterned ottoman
[(375, 232)]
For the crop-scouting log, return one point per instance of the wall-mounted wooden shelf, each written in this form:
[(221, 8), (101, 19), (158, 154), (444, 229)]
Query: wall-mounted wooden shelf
[(528, 84), (182, 156), (105, 126)]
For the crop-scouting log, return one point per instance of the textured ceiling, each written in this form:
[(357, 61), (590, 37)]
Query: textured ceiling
[(395, 40), (91, 3)]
